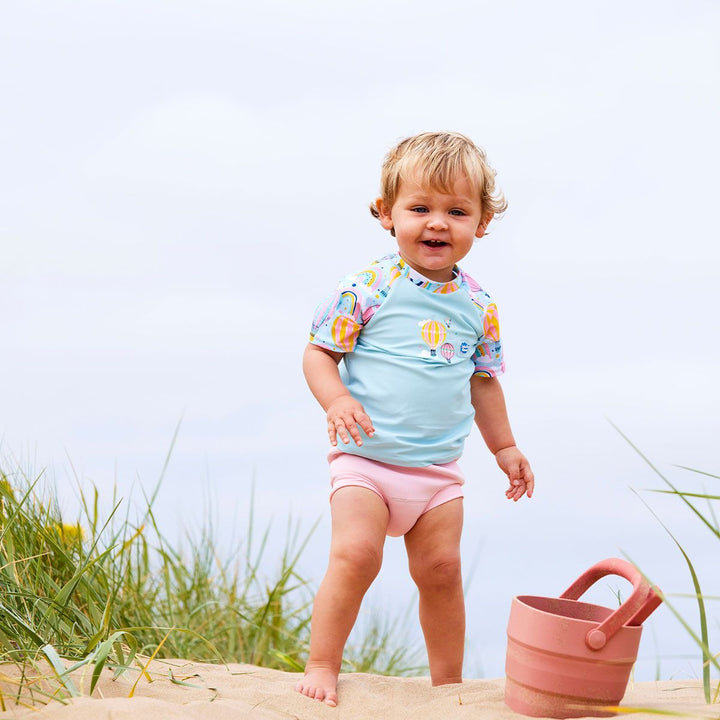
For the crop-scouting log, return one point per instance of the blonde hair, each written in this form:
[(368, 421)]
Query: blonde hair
[(436, 160)]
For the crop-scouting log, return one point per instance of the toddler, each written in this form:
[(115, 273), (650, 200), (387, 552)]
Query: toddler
[(403, 358)]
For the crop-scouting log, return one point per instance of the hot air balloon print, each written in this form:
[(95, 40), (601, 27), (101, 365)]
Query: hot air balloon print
[(447, 351), (491, 323), (344, 332), (433, 333)]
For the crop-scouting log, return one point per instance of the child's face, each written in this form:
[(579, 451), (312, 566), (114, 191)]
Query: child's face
[(434, 230)]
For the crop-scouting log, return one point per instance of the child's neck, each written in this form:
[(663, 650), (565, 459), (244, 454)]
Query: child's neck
[(417, 276)]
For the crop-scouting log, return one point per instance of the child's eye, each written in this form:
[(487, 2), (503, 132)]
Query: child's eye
[(457, 212), (419, 209)]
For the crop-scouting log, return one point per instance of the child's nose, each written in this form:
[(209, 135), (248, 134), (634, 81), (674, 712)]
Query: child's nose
[(436, 221)]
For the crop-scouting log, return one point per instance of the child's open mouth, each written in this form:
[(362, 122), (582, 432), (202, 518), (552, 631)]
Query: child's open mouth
[(434, 243)]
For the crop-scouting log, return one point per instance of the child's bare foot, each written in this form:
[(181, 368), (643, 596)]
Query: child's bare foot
[(319, 683)]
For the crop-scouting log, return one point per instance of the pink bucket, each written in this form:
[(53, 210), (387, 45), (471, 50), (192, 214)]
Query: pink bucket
[(566, 658)]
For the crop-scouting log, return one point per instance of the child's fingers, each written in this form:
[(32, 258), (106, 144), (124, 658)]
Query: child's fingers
[(530, 482), (332, 432), (520, 487), (338, 429), (344, 429), (366, 424), (529, 479), (515, 492), (346, 424), (354, 432), (521, 479)]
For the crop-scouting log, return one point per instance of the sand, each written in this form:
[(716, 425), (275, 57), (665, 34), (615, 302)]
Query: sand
[(247, 692)]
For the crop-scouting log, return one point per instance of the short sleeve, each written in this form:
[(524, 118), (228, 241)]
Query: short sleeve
[(339, 319), (488, 356)]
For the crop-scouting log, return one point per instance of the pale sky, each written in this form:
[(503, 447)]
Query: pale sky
[(181, 183)]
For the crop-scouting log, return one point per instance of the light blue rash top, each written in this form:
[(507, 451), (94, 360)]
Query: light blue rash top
[(410, 347)]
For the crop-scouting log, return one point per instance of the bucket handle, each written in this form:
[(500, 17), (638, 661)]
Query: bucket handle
[(643, 600)]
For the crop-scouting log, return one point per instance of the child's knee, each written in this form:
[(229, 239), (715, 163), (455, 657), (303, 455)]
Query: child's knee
[(440, 572), (362, 560)]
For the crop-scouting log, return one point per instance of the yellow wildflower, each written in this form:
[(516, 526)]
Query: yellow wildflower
[(70, 533)]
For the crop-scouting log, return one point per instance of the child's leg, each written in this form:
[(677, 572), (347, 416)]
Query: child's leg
[(359, 522), (433, 547)]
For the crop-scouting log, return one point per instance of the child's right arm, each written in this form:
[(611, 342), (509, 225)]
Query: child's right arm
[(344, 412)]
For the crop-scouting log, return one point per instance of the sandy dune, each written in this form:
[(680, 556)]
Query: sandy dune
[(246, 692)]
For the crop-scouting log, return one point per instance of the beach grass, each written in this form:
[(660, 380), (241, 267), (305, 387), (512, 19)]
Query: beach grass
[(701, 505), (110, 590)]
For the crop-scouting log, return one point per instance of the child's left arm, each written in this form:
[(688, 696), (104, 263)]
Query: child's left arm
[(491, 418)]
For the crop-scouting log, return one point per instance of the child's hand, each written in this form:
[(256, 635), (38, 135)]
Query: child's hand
[(515, 465), (343, 416)]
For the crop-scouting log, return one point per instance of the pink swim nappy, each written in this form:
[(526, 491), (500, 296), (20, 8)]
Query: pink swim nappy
[(408, 492)]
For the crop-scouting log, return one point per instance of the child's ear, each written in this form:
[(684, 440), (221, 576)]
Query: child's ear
[(482, 227), (384, 214)]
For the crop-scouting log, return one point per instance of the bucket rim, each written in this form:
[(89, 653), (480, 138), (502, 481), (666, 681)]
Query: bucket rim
[(523, 598), (589, 624)]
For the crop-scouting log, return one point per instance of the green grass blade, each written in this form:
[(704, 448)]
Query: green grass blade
[(699, 472), (104, 626), (166, 464), (13, 516), (9, 612), (704, 520), (703, 641), (100, 656), (702, 496), (182, 683), (292, 664), (59, 670)]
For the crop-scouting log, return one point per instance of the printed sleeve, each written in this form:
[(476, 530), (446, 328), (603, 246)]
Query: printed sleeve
[(488, 356), (339, 320)]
